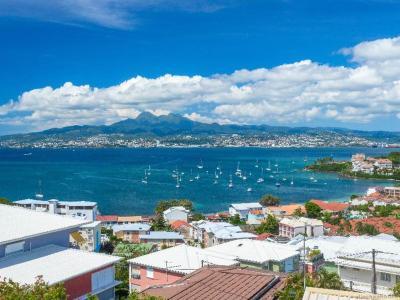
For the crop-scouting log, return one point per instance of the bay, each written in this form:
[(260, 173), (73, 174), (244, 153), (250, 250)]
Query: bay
[(113, 177)]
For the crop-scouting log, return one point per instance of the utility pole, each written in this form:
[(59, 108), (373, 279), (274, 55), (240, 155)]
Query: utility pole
[(166, 269), (304, 261), (373, 285)]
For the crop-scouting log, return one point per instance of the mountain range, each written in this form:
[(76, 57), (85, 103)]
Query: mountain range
[(149, 125)]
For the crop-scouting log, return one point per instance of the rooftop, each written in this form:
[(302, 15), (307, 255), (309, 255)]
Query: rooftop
[(131, 227), (385, 262), (312, 293), (183, 259), (53, 263), (91, 225), (224, 230), (300, 222), (132, 219), (18, 223), (178, 223), (180, 208), (107, 218), (255, 251), (330, 206), (288, 209), (246, 206), (221, 283), (67, 203), (162, 235)]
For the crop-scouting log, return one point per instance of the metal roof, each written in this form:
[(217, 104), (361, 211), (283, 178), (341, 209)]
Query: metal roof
[(54, 263), (131, 227), (19, 223), (162, 235)]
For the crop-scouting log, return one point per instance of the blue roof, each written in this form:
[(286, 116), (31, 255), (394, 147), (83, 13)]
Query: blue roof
[(131, 227), (162, 235)]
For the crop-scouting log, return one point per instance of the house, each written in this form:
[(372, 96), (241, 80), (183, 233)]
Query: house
[(261, 254), (214, 233), (383, 164), (78, 209), (312, 293), (242, 209), (255, 217), (36, 244), (183, 228), (162, 238), (392, 191), (218, 282), (356, 271), (130, 232), (176, 213), (282, 211), (171, 264), (331, 207), (129, 219), (107, 220), (91, 234), (290, 227)]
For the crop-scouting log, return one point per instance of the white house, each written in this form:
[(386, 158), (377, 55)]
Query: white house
[(176, 213), (290, 227), (261, 254), (91, 233), (242, 209), (214, 233), (85, 210)]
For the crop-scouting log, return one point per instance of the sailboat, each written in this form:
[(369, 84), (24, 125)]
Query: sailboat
[(238, 171), (216, 175), (197, 177), (230, 185), (149, 170), (277, 184), (261, 179), (249, 189), (292, 182), (256, 165), (200, 165), (144, 179), (269, 166), (244, 177), (39, 195), (178, 185)]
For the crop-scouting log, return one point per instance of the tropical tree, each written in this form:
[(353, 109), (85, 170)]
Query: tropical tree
[(235, 220), (40, 290), (396, 290), (165, 204), (313, 210), (328, 280), (159, 223), (298, 212), (270, 225), (269, 200), (5, 201)]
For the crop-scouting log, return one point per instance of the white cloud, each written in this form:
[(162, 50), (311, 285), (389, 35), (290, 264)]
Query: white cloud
[(303, 91)]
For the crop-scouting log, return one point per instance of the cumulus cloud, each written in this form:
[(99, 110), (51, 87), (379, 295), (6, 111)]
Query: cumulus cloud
[(302, 91)]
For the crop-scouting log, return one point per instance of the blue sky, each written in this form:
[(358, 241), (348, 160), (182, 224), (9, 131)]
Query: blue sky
[(272, 61)]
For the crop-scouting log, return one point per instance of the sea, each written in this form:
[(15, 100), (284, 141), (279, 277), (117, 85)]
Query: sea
[(130, 181)]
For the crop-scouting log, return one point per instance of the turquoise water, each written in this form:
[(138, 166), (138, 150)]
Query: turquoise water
[(113, 177)]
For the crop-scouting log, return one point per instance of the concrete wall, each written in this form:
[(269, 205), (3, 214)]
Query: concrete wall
[(176, 215)]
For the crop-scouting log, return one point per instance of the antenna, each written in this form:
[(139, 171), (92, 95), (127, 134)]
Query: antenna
[(373, 285)]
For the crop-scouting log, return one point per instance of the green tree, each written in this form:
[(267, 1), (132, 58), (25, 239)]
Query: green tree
[(5, 201), (40, 290), (298, 212), (197, 217), (159, 223), (396, 290), (328, 280), (270, 225), (235, 220), (365, 228), (138, 296), (313, 210), (122, 274), (269, 200), (165, 204)]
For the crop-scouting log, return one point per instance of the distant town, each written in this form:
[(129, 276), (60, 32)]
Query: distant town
[(231, 140)]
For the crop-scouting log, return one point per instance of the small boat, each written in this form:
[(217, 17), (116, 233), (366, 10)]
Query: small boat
[(216, 175), (144, 179), (28, 154), (256, 165), (249, 189), (178, 185), (311, 178), (238, 171), (244, 177), (284, 179), (261, 179), (215, 181), (277, 184), (149, 170), (292, 182), (271, 176), (315, 180), (197, 177), (230, 185), (200, 165), (269, 166)]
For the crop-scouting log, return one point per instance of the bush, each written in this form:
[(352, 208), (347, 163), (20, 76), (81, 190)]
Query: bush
[(269, 200), (270, 225), (365, 228), (165, 204), (313, 210)]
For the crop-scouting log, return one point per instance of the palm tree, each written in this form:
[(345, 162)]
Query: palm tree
[(328, 280)]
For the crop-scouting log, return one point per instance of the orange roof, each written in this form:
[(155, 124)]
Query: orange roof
[(263, 236), (377, 222), (289, 209), (178, 223), (331, 206), (107, 218), (256, 212), (133, 219)]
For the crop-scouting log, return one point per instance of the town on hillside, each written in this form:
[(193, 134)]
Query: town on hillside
[(259, 250)]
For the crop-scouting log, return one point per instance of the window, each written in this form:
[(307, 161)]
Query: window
[(102, 278), (150, 272), (385, 277), (14, 247), (397, 278)]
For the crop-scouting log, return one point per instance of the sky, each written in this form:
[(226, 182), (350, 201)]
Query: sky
[(278, 62)]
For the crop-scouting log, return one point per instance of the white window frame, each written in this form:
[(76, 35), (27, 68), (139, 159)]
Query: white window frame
[(386, 277), (149, 272)]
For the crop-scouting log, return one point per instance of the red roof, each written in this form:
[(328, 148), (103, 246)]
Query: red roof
[(331, 206), (179, 223), (378, 222), (109, 218), (263, 236)]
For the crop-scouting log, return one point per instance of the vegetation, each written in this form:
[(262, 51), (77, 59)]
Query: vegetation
[(270, 225), (122, 274), (327, 164), (365, 228), (235, 220), (322, 279), (137, 296), (128, 250), (298, 212), (159, 224), (394, 157), (10, 290), (313, 210), (269, 200), (396, 290), (5, 201), (197, 217), (165, 204)]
